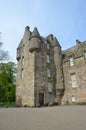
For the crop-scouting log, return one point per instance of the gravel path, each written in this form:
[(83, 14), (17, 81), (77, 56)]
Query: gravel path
[(48, 118)]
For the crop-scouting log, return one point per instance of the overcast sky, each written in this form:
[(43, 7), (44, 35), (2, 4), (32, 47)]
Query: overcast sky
[(65, 19)]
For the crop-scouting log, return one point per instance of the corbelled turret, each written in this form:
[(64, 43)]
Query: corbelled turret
[(35, 41)]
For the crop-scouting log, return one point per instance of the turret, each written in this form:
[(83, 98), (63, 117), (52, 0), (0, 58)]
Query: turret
[(35, 41), (59, 71), (25, 39), (27, 33)]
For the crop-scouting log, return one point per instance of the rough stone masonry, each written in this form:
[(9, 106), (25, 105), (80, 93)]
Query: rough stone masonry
[(46, 74)]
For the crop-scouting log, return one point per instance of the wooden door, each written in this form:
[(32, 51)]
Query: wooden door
[(41, 99)]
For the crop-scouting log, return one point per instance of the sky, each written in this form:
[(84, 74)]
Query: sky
[(65, 19)]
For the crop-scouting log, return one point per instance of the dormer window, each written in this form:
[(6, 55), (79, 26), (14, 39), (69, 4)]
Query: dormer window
[(71, 61)]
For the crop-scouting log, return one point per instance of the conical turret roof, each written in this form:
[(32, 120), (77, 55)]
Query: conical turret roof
[(35, 33)]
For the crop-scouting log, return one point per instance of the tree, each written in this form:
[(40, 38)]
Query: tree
[(7, 82), (3, 54)]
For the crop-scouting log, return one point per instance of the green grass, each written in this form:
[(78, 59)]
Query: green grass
[(81, 103), (7, 104)]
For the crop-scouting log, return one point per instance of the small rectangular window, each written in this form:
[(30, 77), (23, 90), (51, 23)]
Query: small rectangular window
[(73, 99), (48, 72), (71, 61), (48, 59), (22, 60), (85, 55), (48, 46), (22, 73), (49, 87), (73, 80), (45, 42)]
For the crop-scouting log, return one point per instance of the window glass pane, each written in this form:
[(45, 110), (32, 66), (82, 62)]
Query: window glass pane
[(45, 42), (71, 61), (48, 47), (22, 60), (48, 59), (74, 84), (85, 55), (73, 99), (49, 87), (48, 72), (73, 80)]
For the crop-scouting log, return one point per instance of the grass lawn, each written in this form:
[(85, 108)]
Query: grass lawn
[(7, 104)]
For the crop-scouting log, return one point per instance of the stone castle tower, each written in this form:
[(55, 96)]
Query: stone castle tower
[(42, 74), (39, 73)]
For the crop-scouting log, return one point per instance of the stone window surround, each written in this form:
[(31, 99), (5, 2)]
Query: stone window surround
[(73, 99), (85, 55), (22, 60), (22, 73), (73, 80), (47, 58), (49, 87), (48, 73), (48, 46), (71, 61)]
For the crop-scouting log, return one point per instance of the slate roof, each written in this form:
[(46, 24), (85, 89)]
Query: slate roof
[(75, 51)]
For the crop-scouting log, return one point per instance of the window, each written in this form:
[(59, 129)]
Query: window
[(48, 59), (48, 46), (85, 55), (45, 42), (71, 61), (22, 73), (22, 60), (73, 99), (49, 87), (73, 80), (48, 72)]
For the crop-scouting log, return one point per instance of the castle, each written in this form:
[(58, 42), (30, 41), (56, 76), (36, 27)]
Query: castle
[(46, 74)]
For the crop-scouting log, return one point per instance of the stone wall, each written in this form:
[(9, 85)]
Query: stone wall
[(41, 79), (78, 92), (25, 81), (43, 69)]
